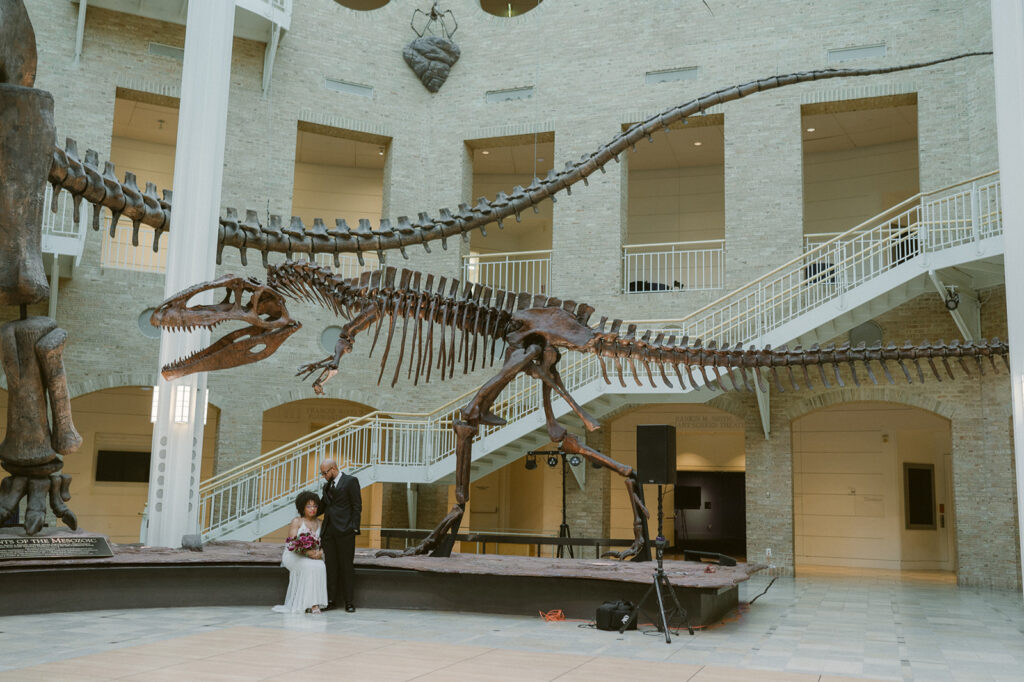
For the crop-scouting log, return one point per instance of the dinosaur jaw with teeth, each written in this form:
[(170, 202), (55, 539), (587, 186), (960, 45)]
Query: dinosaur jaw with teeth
[(245, 300)]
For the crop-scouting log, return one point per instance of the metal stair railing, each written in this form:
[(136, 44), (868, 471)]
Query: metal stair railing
[(959, 214), (928, 222)]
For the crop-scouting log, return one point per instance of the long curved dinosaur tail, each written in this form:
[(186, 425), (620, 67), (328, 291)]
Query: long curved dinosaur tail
[(84, 180)]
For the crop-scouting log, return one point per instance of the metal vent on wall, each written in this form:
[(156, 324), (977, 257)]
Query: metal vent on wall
[(508, 95), (169, 51), (848, 54), (686, 73), (348, 88)]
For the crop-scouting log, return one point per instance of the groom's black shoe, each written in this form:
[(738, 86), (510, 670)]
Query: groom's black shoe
[(349, 608), (330, 605)]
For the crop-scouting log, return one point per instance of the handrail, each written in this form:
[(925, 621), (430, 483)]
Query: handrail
[(506, 254), (820, 247), (699, 241), (904, 231)]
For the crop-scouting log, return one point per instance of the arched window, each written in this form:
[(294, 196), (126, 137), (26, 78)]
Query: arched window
[(508, 8), (362, 5)]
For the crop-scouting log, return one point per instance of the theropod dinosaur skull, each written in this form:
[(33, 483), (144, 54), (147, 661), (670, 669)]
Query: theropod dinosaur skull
[(245, 300)]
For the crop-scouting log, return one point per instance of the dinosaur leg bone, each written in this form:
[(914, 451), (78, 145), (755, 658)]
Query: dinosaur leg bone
[(478, 410), (569, 443), (547, 373), (473, 414)]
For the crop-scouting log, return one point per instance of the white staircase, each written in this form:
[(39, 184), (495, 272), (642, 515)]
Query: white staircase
[(949, 235)]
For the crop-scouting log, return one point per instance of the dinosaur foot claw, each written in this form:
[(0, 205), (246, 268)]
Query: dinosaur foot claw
[(627, 553)]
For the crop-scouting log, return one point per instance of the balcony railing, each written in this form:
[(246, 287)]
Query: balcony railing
[(926, 223), (348, 264), (119, 254), (61, 235), (673, 266), (519, 271)]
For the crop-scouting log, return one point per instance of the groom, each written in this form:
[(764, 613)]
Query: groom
[(342, 506)]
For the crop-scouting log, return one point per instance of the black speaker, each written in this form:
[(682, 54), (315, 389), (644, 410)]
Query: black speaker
[(656, 453)]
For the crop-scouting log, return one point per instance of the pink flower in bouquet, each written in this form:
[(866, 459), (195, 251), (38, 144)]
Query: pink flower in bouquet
[(304, 543)]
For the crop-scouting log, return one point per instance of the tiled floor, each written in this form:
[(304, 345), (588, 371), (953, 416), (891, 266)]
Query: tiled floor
[(821, 626)]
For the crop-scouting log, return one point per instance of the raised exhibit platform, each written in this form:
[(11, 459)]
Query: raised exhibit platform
[(243, 573)]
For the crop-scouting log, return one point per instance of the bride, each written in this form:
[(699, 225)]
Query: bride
[(307, 576)]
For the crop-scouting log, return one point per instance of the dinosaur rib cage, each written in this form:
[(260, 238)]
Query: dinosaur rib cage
[(468, 314), (465, 314)]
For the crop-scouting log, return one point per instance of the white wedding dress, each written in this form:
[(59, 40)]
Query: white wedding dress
[(307, 579)]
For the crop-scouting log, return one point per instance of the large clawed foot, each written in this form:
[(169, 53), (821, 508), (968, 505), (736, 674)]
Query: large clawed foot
[(394, 553), (59, 493), (450, 523), (630, 551), (35, 507)]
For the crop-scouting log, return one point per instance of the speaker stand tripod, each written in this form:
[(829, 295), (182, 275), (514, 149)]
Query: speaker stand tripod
[(563, 530), (659, 587)]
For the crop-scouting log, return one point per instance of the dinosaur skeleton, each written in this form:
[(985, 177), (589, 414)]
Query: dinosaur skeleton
[(85, 180), (450, 323)]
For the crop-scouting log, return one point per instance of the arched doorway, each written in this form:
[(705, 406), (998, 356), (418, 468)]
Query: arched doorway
[(290, 421), (705, 509), (873, 488)]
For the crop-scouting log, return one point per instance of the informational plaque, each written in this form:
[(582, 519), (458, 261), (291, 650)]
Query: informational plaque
[(62, 546)]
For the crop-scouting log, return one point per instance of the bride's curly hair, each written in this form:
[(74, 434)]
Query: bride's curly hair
[(303, 499)]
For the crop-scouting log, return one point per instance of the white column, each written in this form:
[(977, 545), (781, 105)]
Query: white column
[(191, 252), (1008, 43)]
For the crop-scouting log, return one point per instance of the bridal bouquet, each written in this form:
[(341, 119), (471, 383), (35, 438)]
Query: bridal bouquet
[(304, 543)]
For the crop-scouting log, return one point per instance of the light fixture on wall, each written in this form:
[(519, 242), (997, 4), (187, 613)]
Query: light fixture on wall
[(811, 130), (182, 403), (575, 460), (952, 300), (698, 143), (485, 152), (531, 462), (380, 151)]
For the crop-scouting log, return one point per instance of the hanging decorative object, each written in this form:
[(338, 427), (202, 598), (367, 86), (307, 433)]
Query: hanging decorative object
[(431, 56)]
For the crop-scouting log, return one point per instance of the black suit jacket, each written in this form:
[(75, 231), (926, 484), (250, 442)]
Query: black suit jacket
[(343, 505)]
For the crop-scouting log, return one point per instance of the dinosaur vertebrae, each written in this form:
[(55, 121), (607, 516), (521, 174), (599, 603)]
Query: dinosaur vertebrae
[(471, 316), (727, 363), (84, 181), (467, 315)]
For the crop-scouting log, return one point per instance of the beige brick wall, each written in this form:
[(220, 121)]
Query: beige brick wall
[(586, 60)]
